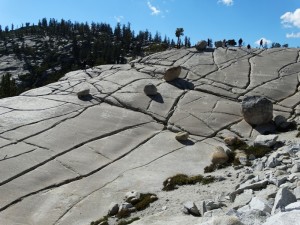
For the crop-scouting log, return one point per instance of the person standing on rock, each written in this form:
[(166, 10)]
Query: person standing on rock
[(261, 43), (240, 42), (249, 48)]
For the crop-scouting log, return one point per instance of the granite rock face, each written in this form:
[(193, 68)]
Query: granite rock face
[(64, 159)]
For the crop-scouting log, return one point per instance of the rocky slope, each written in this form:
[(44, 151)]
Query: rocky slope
[(64, 160)]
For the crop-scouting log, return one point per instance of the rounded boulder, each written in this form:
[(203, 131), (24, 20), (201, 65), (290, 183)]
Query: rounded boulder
[(257, 110), (150, 89), (172, 73)]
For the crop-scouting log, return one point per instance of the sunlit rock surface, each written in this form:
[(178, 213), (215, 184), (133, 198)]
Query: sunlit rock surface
[(63, 160)]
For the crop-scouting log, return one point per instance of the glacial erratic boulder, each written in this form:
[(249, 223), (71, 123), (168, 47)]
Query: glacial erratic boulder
[(219, 156), (182, 136), (172, 73), (150, 89), (257, 110)]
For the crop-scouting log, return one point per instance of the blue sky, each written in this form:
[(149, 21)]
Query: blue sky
[(274, 20)]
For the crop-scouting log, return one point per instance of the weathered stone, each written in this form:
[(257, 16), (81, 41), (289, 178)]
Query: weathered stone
[(132, 197), (150, 89), (201, 45), (242, 199), (113, 209), (172, 73), (257, 110), (83, 93), (273, 160), (260, 204), (191, 208), (292, 206), (254, 186), (202, 207), (269, 192), (219, 156), (283, 198), (182, 136), (265, 140), (296, 168)]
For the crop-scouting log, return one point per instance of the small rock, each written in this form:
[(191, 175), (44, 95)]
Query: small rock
[(83, 93), (242, 199), (202, 207), (292, 206), (257, 110), (297, 192), (241, 157), (219, 156), (150, 89), (260, 204), (265, 140), (191, 208), (113, 209), (254, 186), (273, 160), (182, 136), (269, 192), (283, 198), (296, 168), (211, 205), (132, 197), (172, 73)]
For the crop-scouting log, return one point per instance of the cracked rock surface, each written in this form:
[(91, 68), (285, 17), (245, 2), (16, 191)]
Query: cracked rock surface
[(63, 160)]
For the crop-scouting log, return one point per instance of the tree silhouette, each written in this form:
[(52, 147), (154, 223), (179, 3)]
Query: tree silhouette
[(178, 33)]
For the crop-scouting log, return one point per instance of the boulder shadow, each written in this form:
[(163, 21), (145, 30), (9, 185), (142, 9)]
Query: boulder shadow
[(187, 142), (157, 98), (182, 84), (86, 98), (265, 129)]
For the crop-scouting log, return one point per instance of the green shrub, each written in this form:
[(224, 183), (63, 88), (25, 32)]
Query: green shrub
[(125, 222), (101, 220), (145, 201), (171, 183)]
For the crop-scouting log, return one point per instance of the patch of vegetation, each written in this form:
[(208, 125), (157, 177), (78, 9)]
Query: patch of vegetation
[(172, 183), (145, 201), (103, 221), (125, 222), (257, 151)]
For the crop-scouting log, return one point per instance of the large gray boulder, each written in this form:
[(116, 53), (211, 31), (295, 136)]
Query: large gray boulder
[(257, 110)]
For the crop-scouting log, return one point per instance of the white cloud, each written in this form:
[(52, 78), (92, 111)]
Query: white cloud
[(290, 19), (293, 35), (154, 10), (226, 2), (118, 18), (265, 41)]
